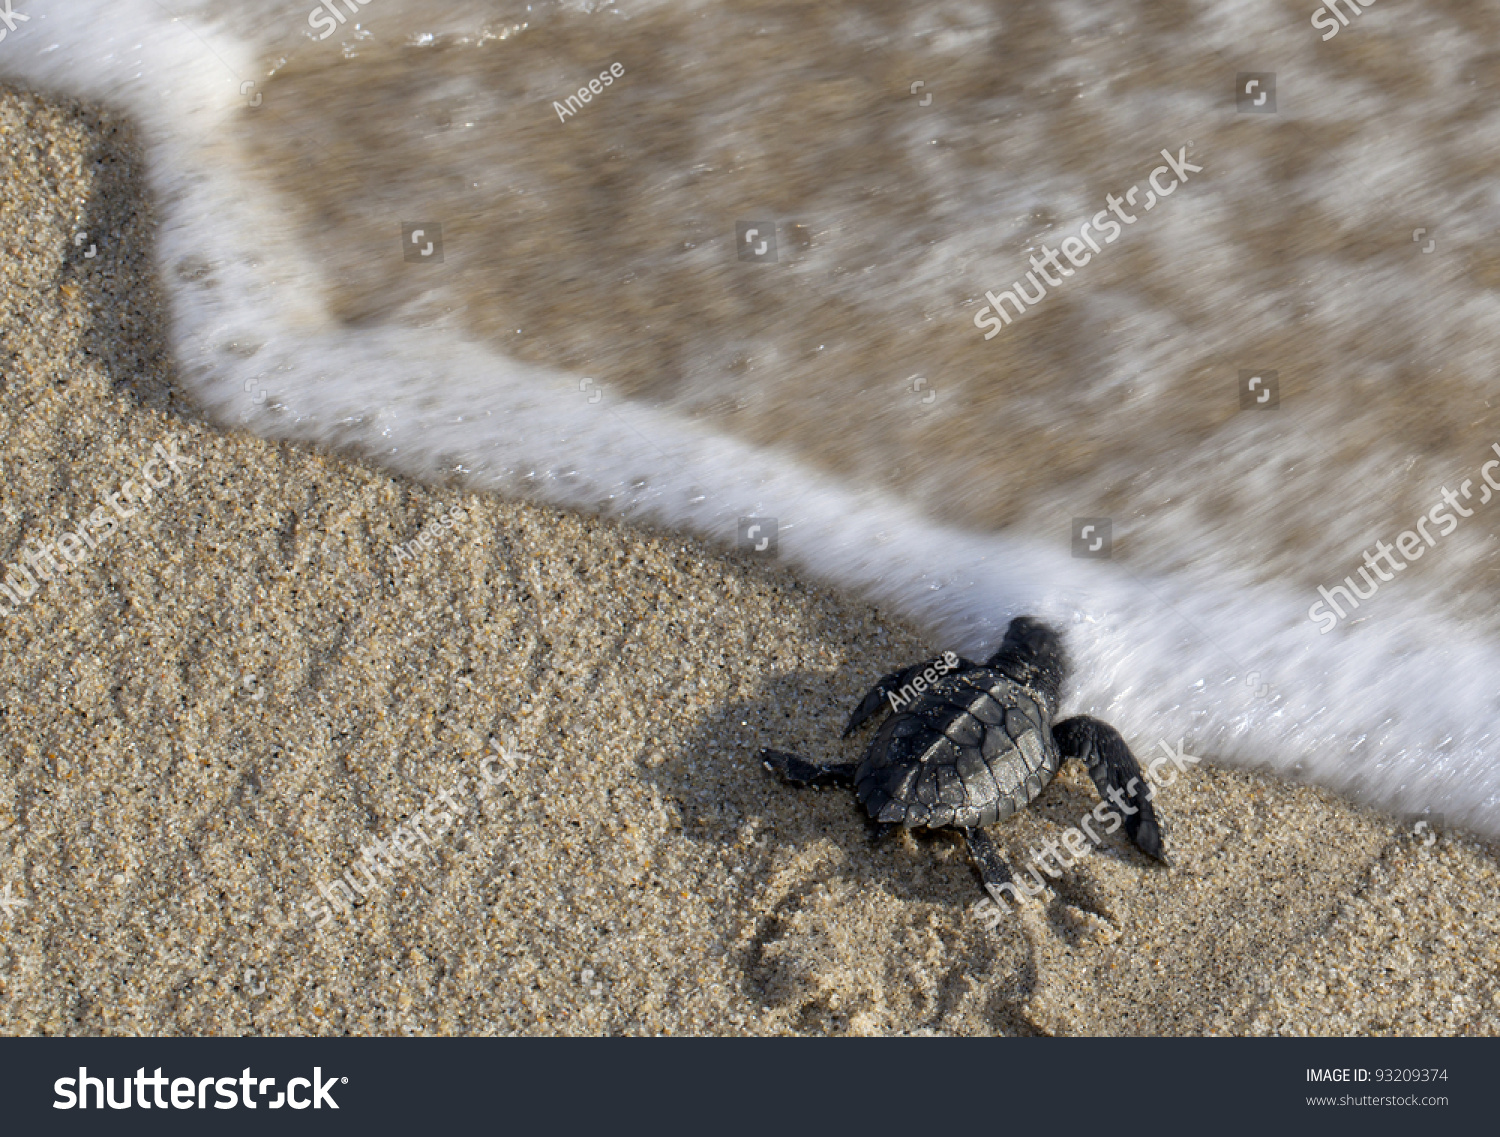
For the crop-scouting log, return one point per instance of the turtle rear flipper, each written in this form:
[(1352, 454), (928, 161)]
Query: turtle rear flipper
[(800, 772), (1117, 775), (986, 859), (994, 873)]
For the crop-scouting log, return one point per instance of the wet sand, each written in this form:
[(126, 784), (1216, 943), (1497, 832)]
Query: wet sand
[(241, 688)]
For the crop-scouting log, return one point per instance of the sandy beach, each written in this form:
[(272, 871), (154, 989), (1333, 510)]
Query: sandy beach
[(229, 697)]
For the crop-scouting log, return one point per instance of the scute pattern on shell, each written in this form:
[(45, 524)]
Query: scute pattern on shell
[(969, 751)]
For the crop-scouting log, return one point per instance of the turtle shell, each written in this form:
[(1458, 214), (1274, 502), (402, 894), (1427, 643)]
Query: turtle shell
[(972, 749)]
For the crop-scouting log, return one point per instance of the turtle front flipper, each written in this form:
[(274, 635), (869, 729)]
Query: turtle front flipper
[(800, 772), (879, 696), (1117, 775)]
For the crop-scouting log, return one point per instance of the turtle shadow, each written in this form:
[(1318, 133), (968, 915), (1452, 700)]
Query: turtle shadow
[(726, 797), (724, 793)]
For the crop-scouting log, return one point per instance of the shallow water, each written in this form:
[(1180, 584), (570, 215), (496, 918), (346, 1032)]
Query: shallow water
[(592, 335), (606, 244)]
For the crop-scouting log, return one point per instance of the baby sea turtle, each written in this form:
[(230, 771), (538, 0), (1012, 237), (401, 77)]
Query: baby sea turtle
[(968, 744)]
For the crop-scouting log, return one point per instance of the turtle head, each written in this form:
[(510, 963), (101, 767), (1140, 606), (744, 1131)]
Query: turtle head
[(1033, 655)]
